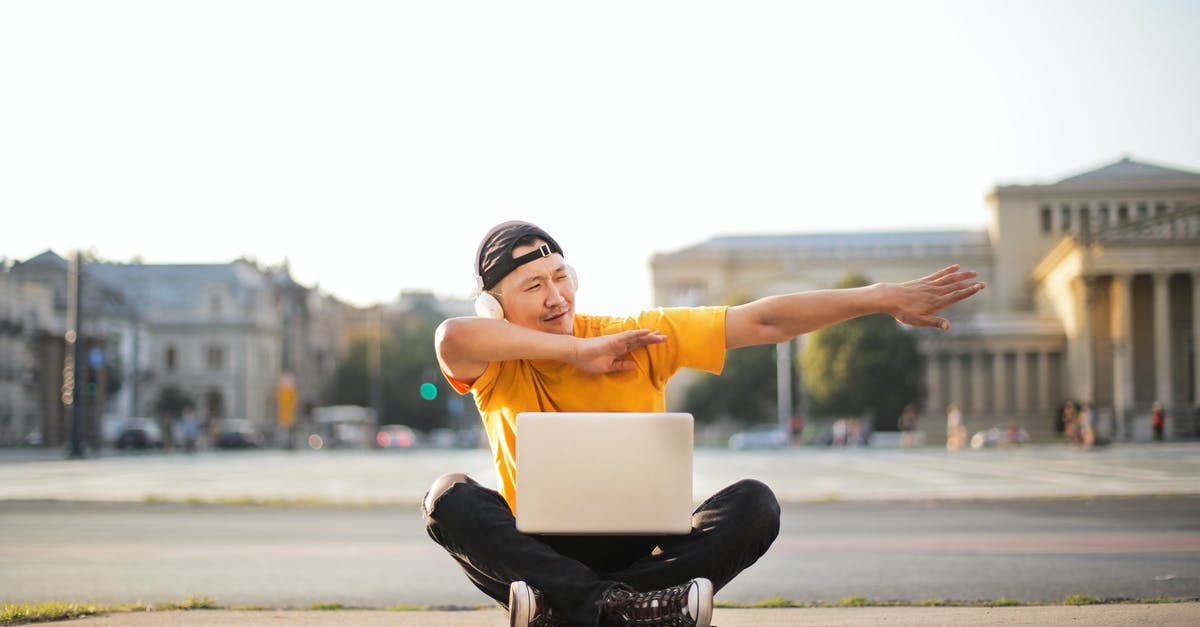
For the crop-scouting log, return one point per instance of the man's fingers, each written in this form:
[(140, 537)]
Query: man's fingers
[(642, 337), (941, 273), (956, 277)]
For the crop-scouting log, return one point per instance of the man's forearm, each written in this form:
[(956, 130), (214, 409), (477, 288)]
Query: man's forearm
[(484, 340), (777, 319)]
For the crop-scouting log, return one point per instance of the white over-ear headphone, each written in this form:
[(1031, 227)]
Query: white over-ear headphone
[(488, 306)]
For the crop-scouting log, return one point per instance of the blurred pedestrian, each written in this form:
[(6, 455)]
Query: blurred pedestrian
[(908, 426), (956, 431), (1158, 419), (191, 429)]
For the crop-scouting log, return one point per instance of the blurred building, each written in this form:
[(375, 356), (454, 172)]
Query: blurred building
[(224, 334), (1093, 296), (25, 312)]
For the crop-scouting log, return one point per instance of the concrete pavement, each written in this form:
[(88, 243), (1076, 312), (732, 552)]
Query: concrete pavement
[(1166, 614), (363, 477)]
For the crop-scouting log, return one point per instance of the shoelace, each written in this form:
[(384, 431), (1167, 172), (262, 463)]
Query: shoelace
[(659, 608)]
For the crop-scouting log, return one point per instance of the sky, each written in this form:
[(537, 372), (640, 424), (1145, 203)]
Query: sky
[(372, 144)]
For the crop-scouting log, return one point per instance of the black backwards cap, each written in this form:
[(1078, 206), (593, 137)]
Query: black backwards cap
[(494, 260)]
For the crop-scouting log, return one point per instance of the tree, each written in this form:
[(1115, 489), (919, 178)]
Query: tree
[(172, 401), (407, 362), (745, 391), (866, 365)]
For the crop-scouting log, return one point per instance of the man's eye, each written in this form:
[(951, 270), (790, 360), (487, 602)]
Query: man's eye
[(533, 287)]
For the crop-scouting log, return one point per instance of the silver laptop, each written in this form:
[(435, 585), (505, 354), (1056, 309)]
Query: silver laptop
[(604, 473)]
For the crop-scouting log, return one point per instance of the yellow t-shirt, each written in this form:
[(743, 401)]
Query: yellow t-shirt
[(695, 339)]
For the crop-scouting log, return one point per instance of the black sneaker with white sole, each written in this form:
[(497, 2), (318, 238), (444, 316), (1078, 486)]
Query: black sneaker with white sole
[(686, 605), (528, 608)]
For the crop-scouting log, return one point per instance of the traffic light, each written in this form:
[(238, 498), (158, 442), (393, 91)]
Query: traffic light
[(429, 391)]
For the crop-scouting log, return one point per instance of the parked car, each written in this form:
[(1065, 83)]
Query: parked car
[(999, 436), (140, 433), (395, 436), (761, 436), (237, 433)]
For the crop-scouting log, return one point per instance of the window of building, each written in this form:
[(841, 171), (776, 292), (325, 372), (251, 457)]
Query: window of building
[(171, 358), (1160, 208), (1103, 216), (1122, 213), (1085, 219), (1065, 217), (215, 357), (1142, 211), (1047, 219)]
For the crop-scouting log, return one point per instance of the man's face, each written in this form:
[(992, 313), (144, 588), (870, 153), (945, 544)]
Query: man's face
[(539, 295)]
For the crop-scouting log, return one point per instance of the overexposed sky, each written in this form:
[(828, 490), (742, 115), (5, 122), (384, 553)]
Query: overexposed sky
[(372, 144)]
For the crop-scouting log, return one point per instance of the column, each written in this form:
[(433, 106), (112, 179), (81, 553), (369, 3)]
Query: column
[(934, 403), (978, 384), (1084, 378), (1162, 340), (1122, 334), (1043, 389), (1022, 375), (999, 384), (955, 392), (1196, 339)]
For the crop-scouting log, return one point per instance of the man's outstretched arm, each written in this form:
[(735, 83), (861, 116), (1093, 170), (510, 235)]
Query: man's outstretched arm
[(465, 346), (777, 319)]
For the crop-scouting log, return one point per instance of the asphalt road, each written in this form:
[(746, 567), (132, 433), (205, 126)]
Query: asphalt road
[(379, 556)]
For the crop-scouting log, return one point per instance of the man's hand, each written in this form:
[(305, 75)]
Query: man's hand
[(610, 353), (915, 302)]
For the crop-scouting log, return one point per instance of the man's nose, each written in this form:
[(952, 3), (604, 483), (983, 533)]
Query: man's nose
[(555, 296)]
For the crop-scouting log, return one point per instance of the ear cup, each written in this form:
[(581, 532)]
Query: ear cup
[(486, 306), (574, 278)]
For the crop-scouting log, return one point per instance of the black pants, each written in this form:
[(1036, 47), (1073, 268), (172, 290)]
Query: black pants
[(730, 531)]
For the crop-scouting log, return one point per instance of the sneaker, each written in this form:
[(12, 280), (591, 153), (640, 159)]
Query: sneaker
[(687, 605), (527, 608)]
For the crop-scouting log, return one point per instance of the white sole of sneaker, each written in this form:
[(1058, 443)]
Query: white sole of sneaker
[(704, 590), (520, 604)]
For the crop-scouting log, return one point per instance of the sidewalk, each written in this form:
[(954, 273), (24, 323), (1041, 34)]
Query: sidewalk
[(1169, 614)]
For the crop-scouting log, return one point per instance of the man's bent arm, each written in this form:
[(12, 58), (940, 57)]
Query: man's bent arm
[(777, 319), (465, 347)]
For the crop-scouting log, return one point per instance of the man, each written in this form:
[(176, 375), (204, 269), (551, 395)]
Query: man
[(530, 351)]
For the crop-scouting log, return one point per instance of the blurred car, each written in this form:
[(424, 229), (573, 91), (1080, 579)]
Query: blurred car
[(237, 433), (140, 433), (999, 436), (761, 436), (395, 436), (441, 438)]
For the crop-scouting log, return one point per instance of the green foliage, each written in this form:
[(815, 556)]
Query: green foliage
[(868, 364), (1081, 599), (407, 361), (172, 401), (745, 391)]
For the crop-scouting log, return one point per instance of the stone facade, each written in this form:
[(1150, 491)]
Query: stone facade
[(1092, 297)]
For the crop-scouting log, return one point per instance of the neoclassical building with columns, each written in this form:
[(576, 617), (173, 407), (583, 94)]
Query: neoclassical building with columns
[(1093, 296)]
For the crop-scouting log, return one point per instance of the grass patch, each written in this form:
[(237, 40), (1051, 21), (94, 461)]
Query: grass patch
[(406, 608), (327, 607), (22, 613), (931, 603), (1081, 599), (853, 602), (1003, 602)]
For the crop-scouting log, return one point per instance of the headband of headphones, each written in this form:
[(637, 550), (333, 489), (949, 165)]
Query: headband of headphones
[(494, 259)]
